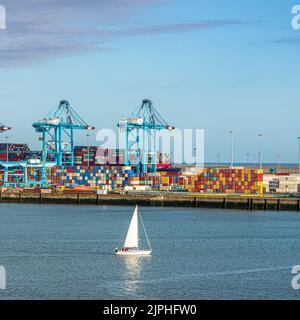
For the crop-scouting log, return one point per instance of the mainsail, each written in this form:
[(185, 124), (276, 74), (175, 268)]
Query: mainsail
[(132, 238)]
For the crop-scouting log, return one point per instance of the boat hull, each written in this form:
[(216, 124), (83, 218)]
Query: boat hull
[(133, 253)]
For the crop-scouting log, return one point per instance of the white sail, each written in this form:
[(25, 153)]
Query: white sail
[(132, 238)]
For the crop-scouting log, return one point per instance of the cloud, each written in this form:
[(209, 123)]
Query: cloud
[(43, 29), (178, 27)]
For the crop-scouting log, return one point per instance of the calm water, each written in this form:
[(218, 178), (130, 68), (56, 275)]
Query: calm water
[(65, 251)]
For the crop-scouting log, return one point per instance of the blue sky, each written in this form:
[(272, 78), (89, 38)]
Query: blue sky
[(217, 65)]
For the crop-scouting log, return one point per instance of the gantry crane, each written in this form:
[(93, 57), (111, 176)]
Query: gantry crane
[(23, 180), (57, 133), (146, 120)]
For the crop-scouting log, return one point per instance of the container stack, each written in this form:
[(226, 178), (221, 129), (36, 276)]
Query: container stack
[(101, 156), (13, 152), (142, 181), (116, 156), (240, 180), (96, 176), (84, 155), (92, 176), (15, 175), (95, 156), (282, 183), (34, 174), (112, 157)]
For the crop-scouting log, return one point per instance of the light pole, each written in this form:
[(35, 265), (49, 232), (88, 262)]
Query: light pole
[(232, 147), (278, 161), (248, 159), (218, 158), (299, 155), (7, 137), (254, 161), (88, 145), (261, 151)]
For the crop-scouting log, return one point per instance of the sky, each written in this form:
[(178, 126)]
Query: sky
[(219, 65)]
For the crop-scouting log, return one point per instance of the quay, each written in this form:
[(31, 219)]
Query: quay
[(246, 202)]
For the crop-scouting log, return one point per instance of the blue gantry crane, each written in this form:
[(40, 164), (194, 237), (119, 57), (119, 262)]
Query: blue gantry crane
[(57, 133), (143, 126), (33, 163), (22, 180)]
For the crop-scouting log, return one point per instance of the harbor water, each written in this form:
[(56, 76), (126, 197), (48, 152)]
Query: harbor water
[(67, 251)]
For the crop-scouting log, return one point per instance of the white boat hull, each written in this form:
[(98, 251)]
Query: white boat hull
[(133, 253)]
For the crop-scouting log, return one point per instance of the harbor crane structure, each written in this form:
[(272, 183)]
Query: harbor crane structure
[(143, 126), (57, 133), (23, 180)]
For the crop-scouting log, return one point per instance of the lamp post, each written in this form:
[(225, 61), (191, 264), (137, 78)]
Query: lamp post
[(248, 159), (278, 161), (261, 151), (232, 148), (218, 158), (254, 160)]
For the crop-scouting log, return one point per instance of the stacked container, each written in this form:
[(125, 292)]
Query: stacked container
[(84, 155), (242, 181), (246, 181), (93, 176), (15, 175), (13, 152)]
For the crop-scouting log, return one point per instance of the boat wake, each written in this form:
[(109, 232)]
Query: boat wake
[(211, 274)]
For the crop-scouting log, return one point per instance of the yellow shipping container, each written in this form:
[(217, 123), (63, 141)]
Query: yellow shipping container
[(165, 180)]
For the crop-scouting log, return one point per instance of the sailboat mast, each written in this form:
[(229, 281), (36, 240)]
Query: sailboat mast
[(137, 222)]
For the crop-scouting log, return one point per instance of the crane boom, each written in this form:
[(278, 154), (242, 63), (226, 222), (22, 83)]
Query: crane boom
[(147, 119), (57, 133)]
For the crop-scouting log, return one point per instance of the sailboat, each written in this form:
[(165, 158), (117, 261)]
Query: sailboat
[(131, 245)]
